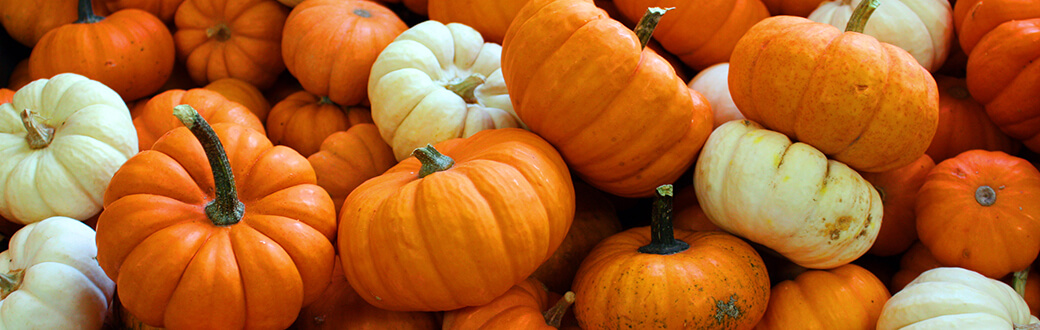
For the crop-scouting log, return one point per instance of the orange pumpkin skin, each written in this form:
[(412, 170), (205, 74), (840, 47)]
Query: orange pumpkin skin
[(700, 33), (243, 42), (503, 181), (979, 211), (1032, 292), (973, 19), (6, 95), (330, 45), (155, 119), (964, 124), (346, 159), (720, 282), (635, 152), (1004, 74), (687, 214), (27, 21), (130, 51), (176, 269), (834, 90), (898, 189), (801, 8), (303, 120), (19, 75), (163, 9), (519, 308), (244, 93), (847, 297), (490, 18), (915, 261)]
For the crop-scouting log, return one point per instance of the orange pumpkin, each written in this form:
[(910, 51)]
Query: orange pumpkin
[(979, 211), (973, 19), (196, 237), (862, 102), (130, 51), (330, 45), (490, 18), (19, 75), (303, 120), (27, 21), (155, 119), (847, 297), (656, 277), (688, 214), (898, 189), (6, 95), (498, 200), (914, 261), (231, 38), (634, 151), (1031, 291), (964, 124), (346, 159), (525, 306), (163, 9), (800, 8), (244, 93)]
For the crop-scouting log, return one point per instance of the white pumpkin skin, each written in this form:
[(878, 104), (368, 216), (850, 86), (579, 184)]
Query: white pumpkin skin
[(93, 136), (713, 83), (955, 298), (62, 285), (756, 184), (924, 28), (411, 105)]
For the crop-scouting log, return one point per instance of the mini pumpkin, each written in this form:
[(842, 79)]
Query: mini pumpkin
[(346, 159), (526, 305), (154, 119), (244, 93), (713, 83), (964, 124), (303, 120), (847, 297), (898, 190)]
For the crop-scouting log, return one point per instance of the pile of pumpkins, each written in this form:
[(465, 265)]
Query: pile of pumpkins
[(462, 164)]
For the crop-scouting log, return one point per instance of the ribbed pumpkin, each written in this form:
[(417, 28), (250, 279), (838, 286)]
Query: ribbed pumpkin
[(864, 103), (964, 124), (898, 190), (155, 119), (19, 75), (499, 200), (303, 120), (244, 93), (974, 19), (526, 306), (687, 213), (916, 260), (847, 297), (346, 159), (27, 21), (582, 81), (490, 18)]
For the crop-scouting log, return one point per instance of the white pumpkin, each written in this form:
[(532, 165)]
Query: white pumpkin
[(51, 278), (757, 184), (955, 298), (436, 82), (713, 83), (63, 172), (924, 28)]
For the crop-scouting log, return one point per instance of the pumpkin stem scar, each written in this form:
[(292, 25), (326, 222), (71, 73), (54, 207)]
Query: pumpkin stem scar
[(861, 14), (432, 160), (225, 209), (86, 13), (38, 135), (466, 87), (726, 308), (648, 23), (10, 282), (985, 195), (662, 234), (554, 316), (221, 32)]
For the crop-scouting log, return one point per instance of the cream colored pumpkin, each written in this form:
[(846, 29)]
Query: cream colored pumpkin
[(51, 278), (713, 83), (436, 82), (955, 298), (924, 28), (66, 173), (757, 184)]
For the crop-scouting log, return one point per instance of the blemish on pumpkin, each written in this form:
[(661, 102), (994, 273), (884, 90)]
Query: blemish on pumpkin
[(860, 88), (833, 230), (723, 309)]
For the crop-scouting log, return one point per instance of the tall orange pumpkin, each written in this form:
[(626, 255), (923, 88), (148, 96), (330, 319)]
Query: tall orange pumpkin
[(490, 18), (154, 119), (964, 124), (898, 189), (616, 111), (847, 297), (216, 228), (862, 102), (303, 120), (346, 159)]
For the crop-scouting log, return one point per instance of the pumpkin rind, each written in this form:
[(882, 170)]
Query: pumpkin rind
[(847, 297), (348, 158), (964, 124), (490, 18), (519, 308), (244, 93), (713, 84), (303, 120), (898, 190), (155, 119)]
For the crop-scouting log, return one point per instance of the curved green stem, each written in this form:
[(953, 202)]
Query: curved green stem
[(225, 209), (86, 12), (432, 160), (10, 282), (648, 23), (861, 14), (1018, 281), (466, 87), (38, 135), (662, 234)]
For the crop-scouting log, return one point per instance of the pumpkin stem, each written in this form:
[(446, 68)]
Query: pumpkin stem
[(1031, 326), (10, 282), (362, 12), (432, 160), (325, 100), (662, 234), (86, 13), (38, 135), (554, 316), (1018, 281), (985, 195), (225, 209), (861, 14), (466, 87), (220, 31), (648, 23), (880, 191)]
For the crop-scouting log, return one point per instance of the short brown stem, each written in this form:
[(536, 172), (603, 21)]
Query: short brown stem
[(432, 160), (225, 209), (221, 32), (648, 23), (38, 135), (554, 316), (861, 14), (985, 195)]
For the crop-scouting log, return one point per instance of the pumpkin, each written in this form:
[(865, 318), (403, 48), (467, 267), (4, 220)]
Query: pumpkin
[(525, 306), (862, 102), (598, 128), (63, 139), (659, 277), (283, 87), (979, 184), (19, 75), (6, 95), (975, 18), (455, 201), (916, 260), (27, 21), (898, 190), (687, 213), (303, 120), (331, 45), (490, 18), (339, 307), (594, 220), (847, 297), (964, 124), (129, 51), (1031, 291), (713, 83), (244, 93), (346, 159), (231, 38), (757, 184), (1003, 73), (924, 28), (163, 9), (199, 237), (800, 8), (155, 118), (949, 297), (50, 278), (436, 82)]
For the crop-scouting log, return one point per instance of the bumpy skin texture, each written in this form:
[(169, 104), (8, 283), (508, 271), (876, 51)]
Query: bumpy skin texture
[(757, 184), (847, 297), (862, 102)]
